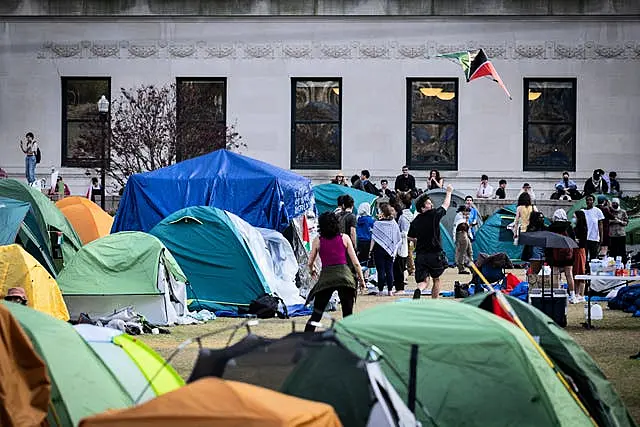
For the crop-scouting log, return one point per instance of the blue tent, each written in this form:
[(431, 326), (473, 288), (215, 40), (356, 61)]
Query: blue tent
[(222, 271), (326, 196), (262, 194), (18, 224), (493, 236)]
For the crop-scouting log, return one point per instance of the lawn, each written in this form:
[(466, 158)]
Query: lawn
[(616, 337)]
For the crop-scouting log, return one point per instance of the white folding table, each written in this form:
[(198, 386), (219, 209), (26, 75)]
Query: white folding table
[(615, 280)]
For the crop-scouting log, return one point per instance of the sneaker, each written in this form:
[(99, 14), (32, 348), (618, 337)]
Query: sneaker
[(573, 299), (417, 294), (580, 298)]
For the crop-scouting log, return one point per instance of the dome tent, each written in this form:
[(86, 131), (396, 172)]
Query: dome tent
[(87, 218)]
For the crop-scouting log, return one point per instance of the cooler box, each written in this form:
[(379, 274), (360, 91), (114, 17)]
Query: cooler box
[(556, 308)]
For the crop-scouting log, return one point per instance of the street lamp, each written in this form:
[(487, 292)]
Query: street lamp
[(103, 110)]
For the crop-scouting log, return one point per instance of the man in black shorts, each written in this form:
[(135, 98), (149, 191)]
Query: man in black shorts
[(425, 231)]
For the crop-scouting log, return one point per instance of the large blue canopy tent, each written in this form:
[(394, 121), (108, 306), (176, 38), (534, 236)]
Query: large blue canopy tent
[(262, 194)]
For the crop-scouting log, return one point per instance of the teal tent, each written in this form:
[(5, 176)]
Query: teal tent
[(594, 390), (493, 236), (221, 268), (326, 196), (49, 219), (18, 225), (633, 231), (448, 245)]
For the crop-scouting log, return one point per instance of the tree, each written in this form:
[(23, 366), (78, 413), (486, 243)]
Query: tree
[(146, 134)]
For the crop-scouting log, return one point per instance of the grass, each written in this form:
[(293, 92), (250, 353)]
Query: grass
[(615, 338)]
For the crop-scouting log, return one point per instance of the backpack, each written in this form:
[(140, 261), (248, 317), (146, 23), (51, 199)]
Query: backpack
[(38, 155), (342, 222), (267, 306), (562, 255)]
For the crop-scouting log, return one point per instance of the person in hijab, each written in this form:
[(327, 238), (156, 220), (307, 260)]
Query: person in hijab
[(595, 184), (562, 260), (617, 233), (364, 225), (385, 241)]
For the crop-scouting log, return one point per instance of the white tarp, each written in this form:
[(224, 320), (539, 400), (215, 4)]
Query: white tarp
[(284, 287)]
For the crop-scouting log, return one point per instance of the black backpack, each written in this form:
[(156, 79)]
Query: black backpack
[(266, 307), (38, 155)]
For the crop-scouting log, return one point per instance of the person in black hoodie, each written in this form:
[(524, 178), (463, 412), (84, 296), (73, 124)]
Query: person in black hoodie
[(596, 184)]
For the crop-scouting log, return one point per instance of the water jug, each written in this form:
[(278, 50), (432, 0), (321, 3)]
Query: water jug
[(596, 311)]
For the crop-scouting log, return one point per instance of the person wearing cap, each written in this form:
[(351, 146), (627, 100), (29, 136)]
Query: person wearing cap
[(617, 234), (17, 295), (339, 179), (526, 188), (596, 184)]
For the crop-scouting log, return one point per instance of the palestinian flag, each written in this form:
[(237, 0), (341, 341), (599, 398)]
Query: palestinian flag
[(475, 64), (305, 233)]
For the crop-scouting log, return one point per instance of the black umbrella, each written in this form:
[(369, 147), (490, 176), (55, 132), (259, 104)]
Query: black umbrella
[(546, 239)]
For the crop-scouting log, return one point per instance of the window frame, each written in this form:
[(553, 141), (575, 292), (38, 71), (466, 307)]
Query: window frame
[(66, 161), (526, 166), (223, 122), (294, 122), (410, 122)]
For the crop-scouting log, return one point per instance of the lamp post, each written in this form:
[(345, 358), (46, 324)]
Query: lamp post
[(103, 110)]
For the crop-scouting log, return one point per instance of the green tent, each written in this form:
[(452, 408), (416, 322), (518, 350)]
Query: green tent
[(18, 225), (582, 203), (473, 368), (493, 236), (448, 245), (595, 391), (326, 197), (633, 231), (129, 268), (48, 217), (81, 384), (222, 270)]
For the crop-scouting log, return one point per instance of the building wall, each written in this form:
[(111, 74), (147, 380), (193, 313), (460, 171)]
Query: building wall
[(373, 55)]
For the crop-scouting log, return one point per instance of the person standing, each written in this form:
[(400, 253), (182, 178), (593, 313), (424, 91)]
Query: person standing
[(501, 191), (385, 240), (485, 190), (405, 182), (594, 217), (562, 260), (431, 260), (333, 248), (30, 149), (523, 214), (474, 217), (617, 233), (580, 255), (364, 225), (604, 205), (346, 218), (400, 263)]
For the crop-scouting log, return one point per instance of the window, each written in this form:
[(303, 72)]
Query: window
[(550, 124), (81, 142), (201, 116), (316, 123), (432, 123)]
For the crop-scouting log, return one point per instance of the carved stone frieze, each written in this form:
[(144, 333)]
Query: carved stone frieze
[(365, 50)]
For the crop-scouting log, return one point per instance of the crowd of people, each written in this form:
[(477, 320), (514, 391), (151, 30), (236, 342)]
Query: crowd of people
[(565, 189)]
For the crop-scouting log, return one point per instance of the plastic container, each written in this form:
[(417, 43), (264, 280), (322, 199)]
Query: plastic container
[(596, 311)]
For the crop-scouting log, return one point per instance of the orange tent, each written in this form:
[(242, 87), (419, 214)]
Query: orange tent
[(25, 387), (213, 401), (87, 218)]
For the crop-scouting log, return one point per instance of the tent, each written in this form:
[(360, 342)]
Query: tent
[(582, 203), (81, 384), (261, 194), (213, 401), (494, 236), (633, 231), (448, 245), (470, 365), (125, 269), (18, 225), (594, 390), (19, 269), (326, 197), (87, 218), (49, 219), (142, 371), (315, 367), (24, 380)]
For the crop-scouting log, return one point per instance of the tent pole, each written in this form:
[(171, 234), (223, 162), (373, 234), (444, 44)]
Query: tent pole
[(413, 368)]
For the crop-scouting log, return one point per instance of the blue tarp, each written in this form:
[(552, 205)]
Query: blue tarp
[(261, 194)]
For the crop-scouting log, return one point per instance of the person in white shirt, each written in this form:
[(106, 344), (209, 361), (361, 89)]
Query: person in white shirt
[(485, 191), (526, 188), (594, 217)]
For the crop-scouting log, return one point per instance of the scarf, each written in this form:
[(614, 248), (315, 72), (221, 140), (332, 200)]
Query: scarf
[(596, 183), (386, 233)]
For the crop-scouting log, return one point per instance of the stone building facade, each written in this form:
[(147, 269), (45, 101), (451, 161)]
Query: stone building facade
[(326, 86)]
